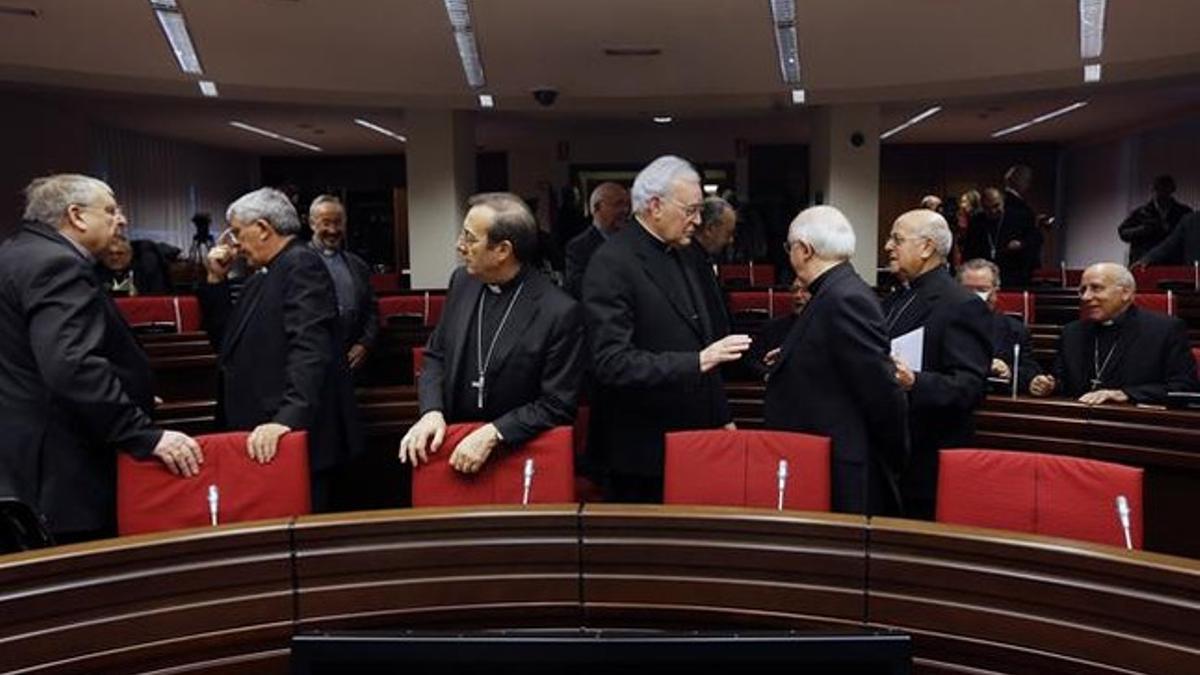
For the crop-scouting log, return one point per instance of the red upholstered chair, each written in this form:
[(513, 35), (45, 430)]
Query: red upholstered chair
[(151, 499), (780, 302), (182, 312), (1149, 278), (1018, 303), (1164, 303), (434, 303), (734, 274), (740, 302), (401, 305), (1196, 356), (740, 468), (501, 481), (1044, 494), (385, 283), (418, 358)]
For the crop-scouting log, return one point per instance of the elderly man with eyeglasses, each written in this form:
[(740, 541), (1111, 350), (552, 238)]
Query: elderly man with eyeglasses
[(655, 346)]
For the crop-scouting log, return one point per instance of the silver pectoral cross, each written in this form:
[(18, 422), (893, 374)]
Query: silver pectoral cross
[(478, 385), (1096, 382)]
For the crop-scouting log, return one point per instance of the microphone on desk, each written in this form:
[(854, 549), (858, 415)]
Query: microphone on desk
[(782, 474), (1015, 370), (1123, 515), (212, 504), (528, 481)]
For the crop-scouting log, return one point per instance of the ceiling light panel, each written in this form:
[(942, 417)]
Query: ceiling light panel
[(1039, 119), (272, 135), (1091, 28), (459, 13), (175, 28), (380, 130), (915, 119), (486, 101), (787, 44), (208, 88), (1092, 72)]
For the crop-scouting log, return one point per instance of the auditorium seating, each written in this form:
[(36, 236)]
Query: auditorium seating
[(418, 361), (1163, 303), (502, 479), (1017, 303), (746, 274), (769, 303), (151, 499), (425, 304), (1063, 277), (1157, 276), (385, 283), (1196, 356), (180, 313), (1044, 494), (741, 468)]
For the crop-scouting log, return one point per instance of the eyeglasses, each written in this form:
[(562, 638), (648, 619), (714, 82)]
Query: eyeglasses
[(897, 239), (689, 210), (788, 246), (467, 237), (227, 238)]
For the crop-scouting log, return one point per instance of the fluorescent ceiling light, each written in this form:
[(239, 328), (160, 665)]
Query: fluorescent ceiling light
[(271, 134), (917, 119), (783, 14), (486, 101), (378, 129), (711, 188), (459, 12), (798, 97), (663, 119), (175, 28), (1091, 28), (208, 88), (1039, 119), (1091, 72)]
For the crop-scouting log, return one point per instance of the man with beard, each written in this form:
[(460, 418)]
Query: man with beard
[(358, 311)]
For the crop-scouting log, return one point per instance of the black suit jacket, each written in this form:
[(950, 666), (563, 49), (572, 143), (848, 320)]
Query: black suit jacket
[(835, 378), (365, 330), (281, 357), (645, 348), (1181, 247), (75, 386), (710, 286), (149, 266), (579, 252), (1150, 358), (952, 382), (535, 370), (1146, 227), (1008, 331), (1017, 225)]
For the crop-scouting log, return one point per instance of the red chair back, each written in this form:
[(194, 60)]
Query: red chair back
[(501, 481), (740, 468), (1043, 494), (434, 303), (401, 305), (1163, 303), (180, 311), (750, 273), (1196, 356), (151, 499), (418, 359), (385, 283), (1016, 302), (749, 301), (1150, 277)]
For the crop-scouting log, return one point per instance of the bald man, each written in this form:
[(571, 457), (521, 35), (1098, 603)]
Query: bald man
[(610, 211), (1005, 233), (949, 383), (1116, 352)]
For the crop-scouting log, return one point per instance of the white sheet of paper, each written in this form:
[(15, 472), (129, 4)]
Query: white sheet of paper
[(910, 348)]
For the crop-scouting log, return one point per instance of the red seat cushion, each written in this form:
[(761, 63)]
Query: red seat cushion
[(740, 468), (501, 481), (151, 499), (183, 311), (1043, 494)]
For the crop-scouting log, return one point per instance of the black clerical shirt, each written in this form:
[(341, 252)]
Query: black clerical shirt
[(496, 300)]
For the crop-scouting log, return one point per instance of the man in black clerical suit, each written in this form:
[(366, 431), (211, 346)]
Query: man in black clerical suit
[(508, 349), (718, 225), (610, 213), (654, 348), (358, 310), (982, 277), (281, 363), (764, 352), (75, 386), (834, 375), (1181, 247), (956, 350), (1152, 222), (1118, 352), (1004, 234), (135, 267)]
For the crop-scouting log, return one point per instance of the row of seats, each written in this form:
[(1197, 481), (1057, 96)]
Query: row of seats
[(426, 305), (1027, 492), (1146, 277)]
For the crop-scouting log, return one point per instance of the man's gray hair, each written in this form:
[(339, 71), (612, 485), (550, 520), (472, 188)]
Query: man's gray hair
[(655, 180), (326, 199), (976, 264), (1120, 274), (47, 198), (934, 228), (266, 204), (826, 230), (601, 191), (714, 208)]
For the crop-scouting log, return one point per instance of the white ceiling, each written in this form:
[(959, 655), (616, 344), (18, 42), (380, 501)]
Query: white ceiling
[(306, 66)]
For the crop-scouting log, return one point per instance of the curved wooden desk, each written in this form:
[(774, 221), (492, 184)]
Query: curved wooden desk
[(228, 599)]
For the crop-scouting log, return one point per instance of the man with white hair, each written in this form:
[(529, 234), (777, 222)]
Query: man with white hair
[(610, 212), (950, 382), (1117, 352), (281, 365), (834, 375), (75, 386), (356, 304), (654, 349)]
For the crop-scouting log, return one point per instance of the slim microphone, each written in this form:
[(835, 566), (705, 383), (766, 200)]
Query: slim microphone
[(1123, 515), (212, 504), (782, 475), (528, 481), (1015, 370)]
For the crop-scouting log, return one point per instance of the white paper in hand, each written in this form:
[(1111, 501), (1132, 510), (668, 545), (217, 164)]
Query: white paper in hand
[(910, 348)]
